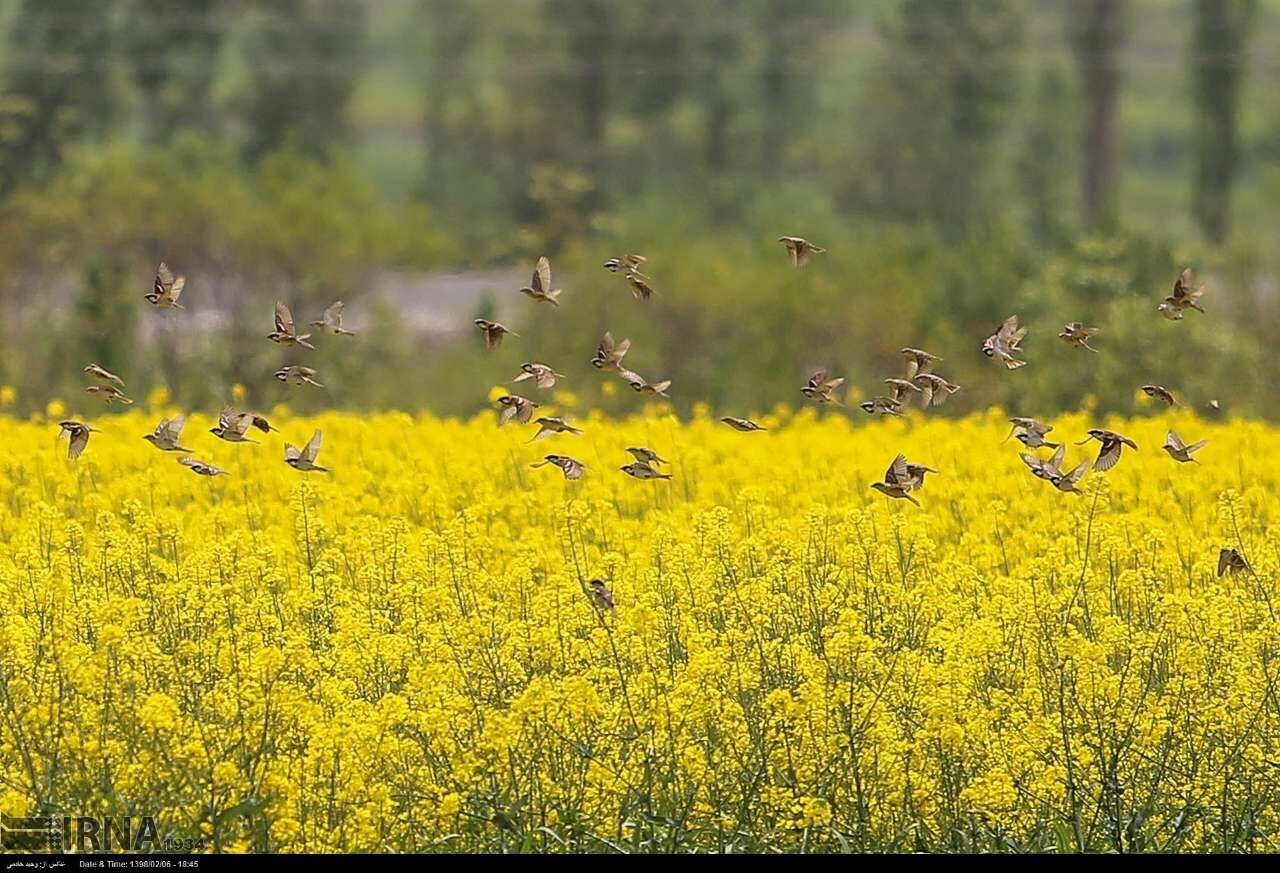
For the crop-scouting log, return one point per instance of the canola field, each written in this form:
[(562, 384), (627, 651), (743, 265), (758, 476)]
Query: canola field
[(402, 655)]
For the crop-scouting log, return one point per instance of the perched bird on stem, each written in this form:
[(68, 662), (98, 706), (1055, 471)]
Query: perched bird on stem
[(601, 596)]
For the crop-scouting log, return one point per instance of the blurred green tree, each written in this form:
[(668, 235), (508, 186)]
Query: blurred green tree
[(1218, 48), (1097, 29), (174, 48)]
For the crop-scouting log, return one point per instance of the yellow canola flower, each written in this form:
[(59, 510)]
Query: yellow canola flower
[(403, 655)]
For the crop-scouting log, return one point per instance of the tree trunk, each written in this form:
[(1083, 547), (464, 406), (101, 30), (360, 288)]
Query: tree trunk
[(1098, 33)]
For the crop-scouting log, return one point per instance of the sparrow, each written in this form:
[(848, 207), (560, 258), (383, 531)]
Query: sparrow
[(233, 426), (165, 290), (919, 362), (109, 393), (1183, 296), (1112, 445), (1067, 481), (1180, 451), (493, 332), (78, 435), (745, 425), (899, 481), (901, 387), (549, 426), (517, 407), (1076, 334), (1231, 561), (304, 459), (1159, 392), (542, 375), (800, 249), (104, 375), (1029, 425), (166, 435), (601, 596), (881, 406), (200, 468), (295, 375), (1170, 310), (819, 388), (331, 322), (1003, 344), (572, 469), (539, 287), (624, 264), (641, 470), (639, 285), (934, 390), (1034, 439), (1047, 470), (646, 456), (643, 386), (285, 334), (608, 354)]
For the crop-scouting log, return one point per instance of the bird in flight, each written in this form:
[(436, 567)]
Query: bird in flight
[(641, 470), (166, 289), (539, 287), (493, 332), (167, 433), (331, 321), (77, 434), (304, 459), (1159, 392), (200, 468), (609, 354), (646, 456), (1180, 451), (549, 425), (745, 425), (285, 334), (902, 478), (109, 393), (819, 388), (542, 375), (517, 407), (1003, 344), (104, 375), (1112, 445), (800, 249), (295, 375), (571, 468), (1076, 334)]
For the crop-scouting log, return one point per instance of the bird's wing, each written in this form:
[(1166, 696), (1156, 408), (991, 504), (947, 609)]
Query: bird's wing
[(1224, 560), (172, 427), (897, 474), (541, 281), (1174, 441), (312, 447), (333, 315), (79, 439), (284, 319), (1059, 455), (1108, 456)]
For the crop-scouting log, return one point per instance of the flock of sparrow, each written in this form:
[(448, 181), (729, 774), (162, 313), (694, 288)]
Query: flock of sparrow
[(902, 479)]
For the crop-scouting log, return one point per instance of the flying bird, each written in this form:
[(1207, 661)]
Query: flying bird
[(304, 459), (1180, 451), (1076, 334), (934, 390), (104, 375), (331, 322), (1159, 392), (1112, 445), (200, 468), (745, 425), (517, 407), (881, 406), (609, 354), (285, 334), (902, 478), (799, 249), (601, 596), (1231, 561), (550, 425), (539, 287), (78, 435), (1043, 469), (234, 426), (167, 433), (295, 375), (624, 264), (819, 388), (641, 470), (1184, 296), (1170, 310), (919, 362), (109, 393), (1029, 425), (1003, 344), (643, 386), (493, 332), (542, 375), (166, 289), (572, 469), (646, 456)]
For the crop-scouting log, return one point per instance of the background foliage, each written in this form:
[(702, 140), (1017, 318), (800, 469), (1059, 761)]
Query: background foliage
[(413, 157)]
